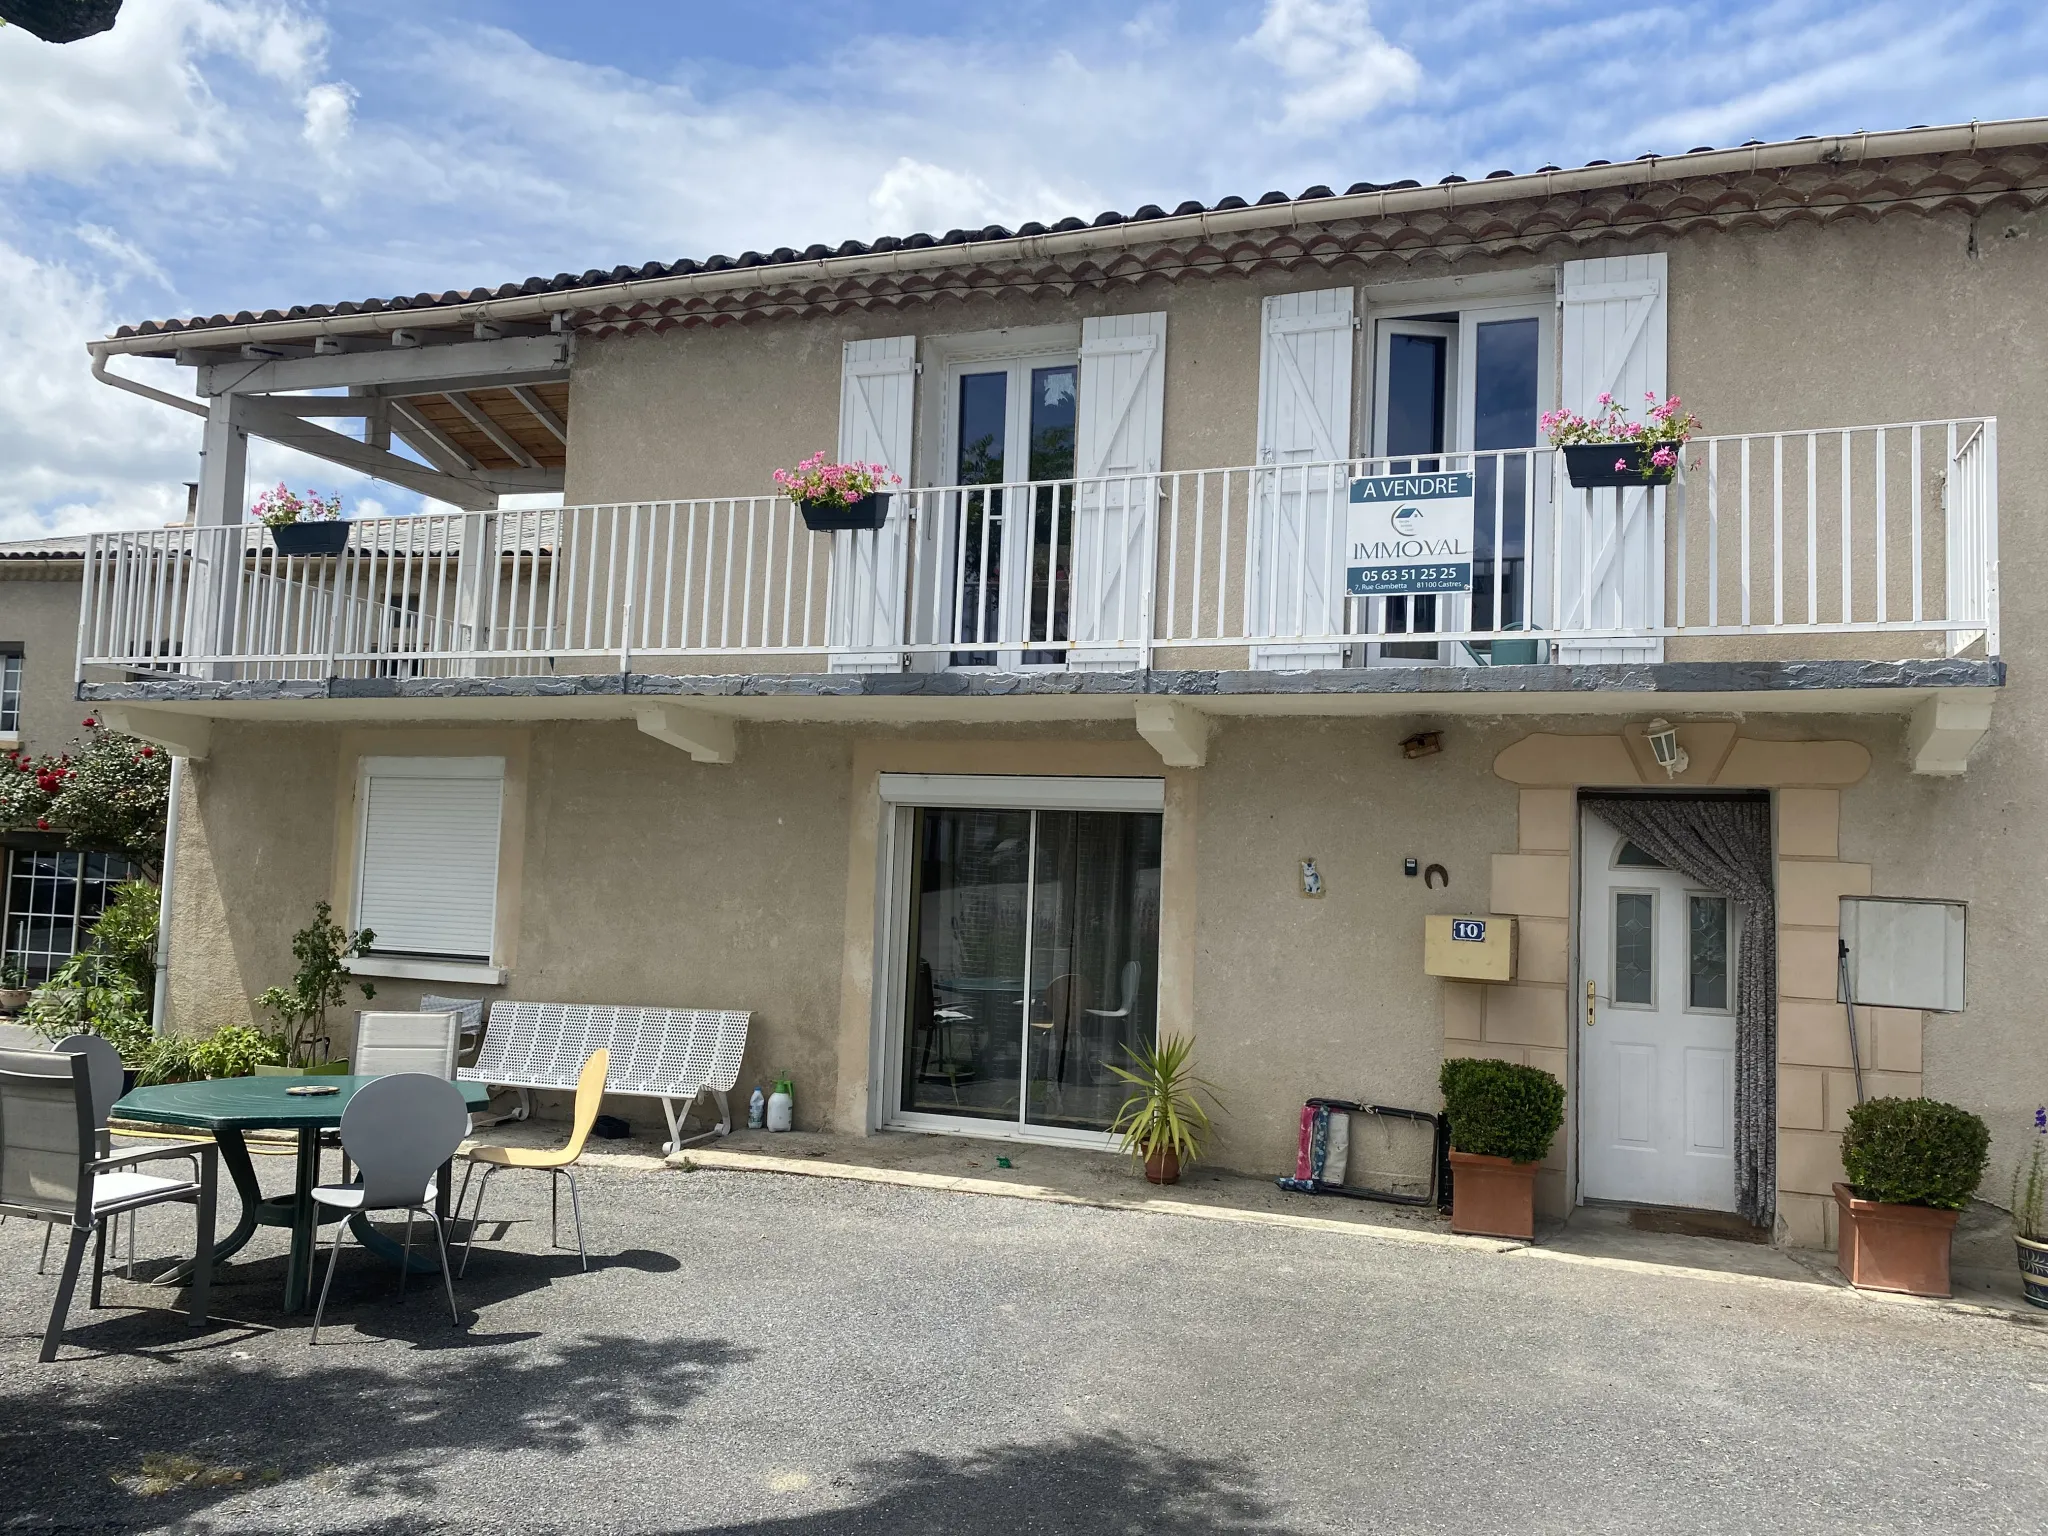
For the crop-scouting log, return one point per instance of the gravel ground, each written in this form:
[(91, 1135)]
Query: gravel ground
[(755, 1353)]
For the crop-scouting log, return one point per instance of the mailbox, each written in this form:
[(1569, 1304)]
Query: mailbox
[(1469, 948)]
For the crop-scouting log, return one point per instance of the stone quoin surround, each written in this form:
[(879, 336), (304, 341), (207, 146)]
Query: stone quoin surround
[(1529, 1020)]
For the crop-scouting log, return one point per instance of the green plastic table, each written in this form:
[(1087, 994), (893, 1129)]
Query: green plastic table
[(229, 1106)]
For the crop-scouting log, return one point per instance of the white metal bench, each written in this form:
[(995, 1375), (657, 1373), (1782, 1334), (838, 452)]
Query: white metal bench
[(671, 1054)]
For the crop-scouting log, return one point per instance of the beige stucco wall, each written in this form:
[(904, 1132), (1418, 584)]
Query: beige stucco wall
[(39, 612)]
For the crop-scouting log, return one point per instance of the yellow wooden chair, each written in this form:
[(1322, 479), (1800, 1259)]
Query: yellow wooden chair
[(558, 1164)]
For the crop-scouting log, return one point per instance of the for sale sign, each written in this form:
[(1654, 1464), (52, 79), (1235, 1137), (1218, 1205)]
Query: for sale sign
[(1409, 533)]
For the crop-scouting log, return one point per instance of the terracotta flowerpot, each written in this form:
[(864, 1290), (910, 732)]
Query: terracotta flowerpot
[(1163, 1167), (14, 999), (1884, 1247), (1493, 1197)]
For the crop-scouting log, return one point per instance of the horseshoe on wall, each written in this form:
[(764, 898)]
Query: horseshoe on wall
[(1429, 877)]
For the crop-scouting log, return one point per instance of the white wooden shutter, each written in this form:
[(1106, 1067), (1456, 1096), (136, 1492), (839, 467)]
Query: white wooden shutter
[(427, 861), (1118, 428), (1612, 341), (877, 395), (1305, 357)]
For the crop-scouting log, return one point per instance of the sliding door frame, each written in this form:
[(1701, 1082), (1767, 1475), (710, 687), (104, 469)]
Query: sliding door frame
[(903, 795)]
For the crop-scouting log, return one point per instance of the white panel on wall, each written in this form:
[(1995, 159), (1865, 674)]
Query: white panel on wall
[(1612, 341), (1305, 359), (877, 399)]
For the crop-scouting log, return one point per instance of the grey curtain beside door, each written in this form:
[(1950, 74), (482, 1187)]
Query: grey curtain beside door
[(1726, 846)]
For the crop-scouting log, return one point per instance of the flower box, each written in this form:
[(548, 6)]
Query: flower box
[(1885, 1247), (327, 537), (1493, 1197), (866, 514), (1592, 465), (2033, 1257)]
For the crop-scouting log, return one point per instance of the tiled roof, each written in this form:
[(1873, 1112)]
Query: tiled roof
[(57, 547), (1796, 178), (787, 255)]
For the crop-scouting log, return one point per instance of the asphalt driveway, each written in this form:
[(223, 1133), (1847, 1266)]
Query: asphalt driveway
[(762, 1354)]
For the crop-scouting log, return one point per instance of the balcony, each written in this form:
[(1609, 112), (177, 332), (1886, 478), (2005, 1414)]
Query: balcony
[(1869, 544)]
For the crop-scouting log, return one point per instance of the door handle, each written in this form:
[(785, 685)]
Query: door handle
[(1590, 995)]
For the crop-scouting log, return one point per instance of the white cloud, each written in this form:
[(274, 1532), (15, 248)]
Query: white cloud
[(330, 111), (915, 195), (127, 257), (1342, 68), (138, 93)]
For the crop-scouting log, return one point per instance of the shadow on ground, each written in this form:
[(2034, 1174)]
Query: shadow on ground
[(74, 1452)]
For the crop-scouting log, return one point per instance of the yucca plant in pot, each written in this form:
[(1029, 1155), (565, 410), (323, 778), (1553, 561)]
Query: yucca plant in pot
[(1503, 1118), (1912, 1165), (2029, 1219), (1163, 1123)]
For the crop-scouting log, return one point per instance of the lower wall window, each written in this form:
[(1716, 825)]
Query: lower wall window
[(427, 855), (52, 900)]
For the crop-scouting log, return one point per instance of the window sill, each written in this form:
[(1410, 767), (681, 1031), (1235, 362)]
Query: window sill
[(400, 968), (9, 740)]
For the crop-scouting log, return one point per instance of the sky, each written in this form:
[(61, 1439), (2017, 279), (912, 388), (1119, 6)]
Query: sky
[(216, 155)]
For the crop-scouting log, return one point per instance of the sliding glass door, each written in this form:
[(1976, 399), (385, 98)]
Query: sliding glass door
[(1032, 964)]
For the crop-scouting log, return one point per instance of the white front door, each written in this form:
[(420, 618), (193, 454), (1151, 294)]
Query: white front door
[(1656, 1030)]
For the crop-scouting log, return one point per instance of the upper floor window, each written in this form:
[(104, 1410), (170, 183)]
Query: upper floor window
[(10, 693)]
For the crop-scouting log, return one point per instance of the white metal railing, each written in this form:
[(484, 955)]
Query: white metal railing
[(1877, 530)]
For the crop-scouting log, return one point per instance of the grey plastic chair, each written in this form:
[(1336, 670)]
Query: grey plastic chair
[(398, 1131), (468, 1011), (51, 1171), (104, 1064)]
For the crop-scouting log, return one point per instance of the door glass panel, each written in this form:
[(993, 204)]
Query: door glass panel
[(983, 440), (965, 990), (1418, 419), (1635, 915), (1053, 396), (1629, 856), (1706, 937), (1094, 962), (1504, 416)]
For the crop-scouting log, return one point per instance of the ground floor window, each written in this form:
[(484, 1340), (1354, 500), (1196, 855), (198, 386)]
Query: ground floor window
[(1032, 959), (52, 899)]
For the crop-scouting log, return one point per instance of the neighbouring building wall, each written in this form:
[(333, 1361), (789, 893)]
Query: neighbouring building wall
[(39, 612)]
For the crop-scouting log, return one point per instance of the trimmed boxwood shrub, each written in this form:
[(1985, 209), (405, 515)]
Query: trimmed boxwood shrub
[(1498, 1109), (1915, 1152)]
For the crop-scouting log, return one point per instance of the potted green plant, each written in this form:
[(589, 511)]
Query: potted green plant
[(1912, 1165), (302, 525), (1162, 1123), (238, 1050), (837, 497), (1503, 1118), (14, 988), (322, 949), (1607, 449), (2029, 1220)]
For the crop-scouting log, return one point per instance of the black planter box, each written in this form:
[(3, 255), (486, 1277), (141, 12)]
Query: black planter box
[(322, 538), (1591, 465), (867, 514)]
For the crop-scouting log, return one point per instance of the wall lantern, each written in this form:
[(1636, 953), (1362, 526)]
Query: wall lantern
[(1663, 739)]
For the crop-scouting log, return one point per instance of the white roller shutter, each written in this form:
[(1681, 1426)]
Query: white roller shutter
[(1305, 356), (427, 862), (1611, 561), (1118, 432), (877, 396)]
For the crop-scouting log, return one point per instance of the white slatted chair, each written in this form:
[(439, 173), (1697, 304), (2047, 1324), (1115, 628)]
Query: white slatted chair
[(671, 1054), (406, 1042)]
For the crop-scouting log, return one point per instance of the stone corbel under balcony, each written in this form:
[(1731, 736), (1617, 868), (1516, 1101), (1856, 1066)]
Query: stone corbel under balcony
[(1178, 732), (1946, 728), (706, 737), (180, 734)]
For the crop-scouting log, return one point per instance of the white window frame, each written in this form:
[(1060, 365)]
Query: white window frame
[(417, 967), (1733, 919), (12, 664), (1614, 999), (902, 795)]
